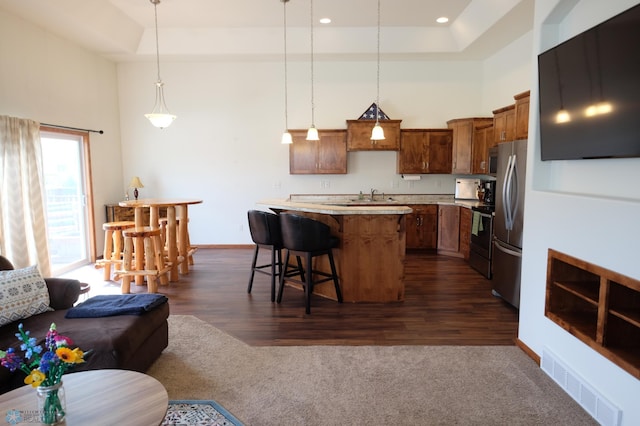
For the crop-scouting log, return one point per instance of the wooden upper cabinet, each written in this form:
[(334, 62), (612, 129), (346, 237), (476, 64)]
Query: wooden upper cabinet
[(482, 142), (463, 135), (359, 135), (504, 124), (425, 151), (326, 156), (522, 115)]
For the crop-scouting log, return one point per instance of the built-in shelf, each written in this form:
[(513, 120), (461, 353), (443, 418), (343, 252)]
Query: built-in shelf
[(598, 306)]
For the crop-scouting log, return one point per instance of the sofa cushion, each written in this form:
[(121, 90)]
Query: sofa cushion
[(23, 293)]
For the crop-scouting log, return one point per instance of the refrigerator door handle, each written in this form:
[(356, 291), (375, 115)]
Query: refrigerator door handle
[(506, 250), (506, 195), (514, 181)]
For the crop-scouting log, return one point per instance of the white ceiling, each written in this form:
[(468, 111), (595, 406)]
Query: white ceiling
[(123, 30)]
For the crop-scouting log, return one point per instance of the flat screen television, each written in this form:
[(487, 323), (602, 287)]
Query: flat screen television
[(589, 88)]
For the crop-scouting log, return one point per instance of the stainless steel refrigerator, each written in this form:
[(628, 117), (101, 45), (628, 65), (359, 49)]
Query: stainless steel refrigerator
[(507, 236)]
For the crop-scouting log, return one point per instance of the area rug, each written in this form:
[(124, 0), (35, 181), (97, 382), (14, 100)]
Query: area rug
[(360, 385), (192, 412)]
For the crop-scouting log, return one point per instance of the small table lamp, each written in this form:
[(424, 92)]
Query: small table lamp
[(135, 184)]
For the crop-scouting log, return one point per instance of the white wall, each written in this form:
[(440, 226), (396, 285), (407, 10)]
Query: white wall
[(46, 79), (588, 209), (224, 147)]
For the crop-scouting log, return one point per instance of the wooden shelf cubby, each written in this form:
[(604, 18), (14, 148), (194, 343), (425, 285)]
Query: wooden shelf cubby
[(596, 305)]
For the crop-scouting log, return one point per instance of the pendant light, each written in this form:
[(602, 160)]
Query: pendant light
[(286, 136), (160, 116), (377, 133), (312, 133)]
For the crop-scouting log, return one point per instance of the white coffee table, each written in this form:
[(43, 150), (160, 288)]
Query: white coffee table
[(100, 397)]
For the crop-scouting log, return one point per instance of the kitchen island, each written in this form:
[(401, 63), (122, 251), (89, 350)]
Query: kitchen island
[(370, 256)]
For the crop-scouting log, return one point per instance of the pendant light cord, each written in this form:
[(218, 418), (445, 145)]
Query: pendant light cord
[(313, 121), (286, 93), (155, 10), (378, 76)]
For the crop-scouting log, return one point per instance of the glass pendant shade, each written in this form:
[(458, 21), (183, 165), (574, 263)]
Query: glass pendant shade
[(286, 138), (377, 134), (312, 134), (160, 117)]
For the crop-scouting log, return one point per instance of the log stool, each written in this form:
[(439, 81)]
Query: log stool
[(163, 230), (112, 252), (150, 264)]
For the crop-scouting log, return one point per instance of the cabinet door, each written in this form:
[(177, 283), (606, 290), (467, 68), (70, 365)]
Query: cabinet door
[(482, 141), (414, 235), (449, 229), (332, 151), (422, 229), (439, 155), (411, 155), (359, 135), (465, 232), (522, 116), (303, 154), (462, 132), (504, 124)]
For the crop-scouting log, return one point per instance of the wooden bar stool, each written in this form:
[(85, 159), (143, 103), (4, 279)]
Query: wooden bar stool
[(150, 264), (112, 252), (163, 230)]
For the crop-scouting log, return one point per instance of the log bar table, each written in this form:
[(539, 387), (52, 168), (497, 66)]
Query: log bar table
[(178, 242), (370, 257), (97, 397)]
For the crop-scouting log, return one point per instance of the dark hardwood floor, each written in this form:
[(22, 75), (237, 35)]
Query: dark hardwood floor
[(446, 303)]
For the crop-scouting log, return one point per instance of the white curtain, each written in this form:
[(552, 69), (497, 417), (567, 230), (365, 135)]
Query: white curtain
[(23, 232)]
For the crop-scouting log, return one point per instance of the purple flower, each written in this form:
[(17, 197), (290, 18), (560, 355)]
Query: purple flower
[(11, 360), (48, 360)]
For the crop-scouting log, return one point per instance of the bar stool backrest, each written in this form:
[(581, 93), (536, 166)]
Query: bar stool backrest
[(305, 234), (265, 228)]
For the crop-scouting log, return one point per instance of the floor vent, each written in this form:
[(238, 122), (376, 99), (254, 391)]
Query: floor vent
[(595, 404)]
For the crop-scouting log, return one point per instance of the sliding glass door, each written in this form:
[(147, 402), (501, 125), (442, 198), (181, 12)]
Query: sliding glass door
[(65, 159)]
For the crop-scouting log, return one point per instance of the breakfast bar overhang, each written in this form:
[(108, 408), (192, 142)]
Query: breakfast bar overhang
[(370, 257)]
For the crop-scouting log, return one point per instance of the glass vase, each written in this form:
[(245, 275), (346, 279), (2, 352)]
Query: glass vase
[(51, 403)]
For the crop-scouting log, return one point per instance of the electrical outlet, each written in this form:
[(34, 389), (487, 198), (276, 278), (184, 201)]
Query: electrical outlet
[(395, 184), (411, 183), (325, 184), (277, 185)]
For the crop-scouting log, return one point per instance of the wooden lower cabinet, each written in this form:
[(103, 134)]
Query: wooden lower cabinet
[(422, 227), (454, 231), (598, 306)]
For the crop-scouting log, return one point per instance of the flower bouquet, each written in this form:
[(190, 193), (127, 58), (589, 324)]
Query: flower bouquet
[(44, 368)]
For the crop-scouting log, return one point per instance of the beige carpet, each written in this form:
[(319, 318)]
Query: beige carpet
[(360, 385)]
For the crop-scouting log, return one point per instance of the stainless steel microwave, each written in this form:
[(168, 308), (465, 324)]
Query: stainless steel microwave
[(493, 161)]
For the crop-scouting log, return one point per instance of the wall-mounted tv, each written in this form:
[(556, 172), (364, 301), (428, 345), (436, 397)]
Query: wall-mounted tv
[(590, 92)]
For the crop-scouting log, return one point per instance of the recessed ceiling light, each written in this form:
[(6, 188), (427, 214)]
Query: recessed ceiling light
[(442, 20), (325, 20)]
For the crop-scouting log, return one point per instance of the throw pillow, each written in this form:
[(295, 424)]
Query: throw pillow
[(23, 293)]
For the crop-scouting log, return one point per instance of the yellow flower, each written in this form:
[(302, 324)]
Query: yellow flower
[(66, 355), (35, 378), (79, 355)]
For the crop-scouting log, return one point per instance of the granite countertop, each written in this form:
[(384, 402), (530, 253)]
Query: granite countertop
[(343, 204)]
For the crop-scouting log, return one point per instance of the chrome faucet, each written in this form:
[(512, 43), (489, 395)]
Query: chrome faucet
[(373, 191)]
